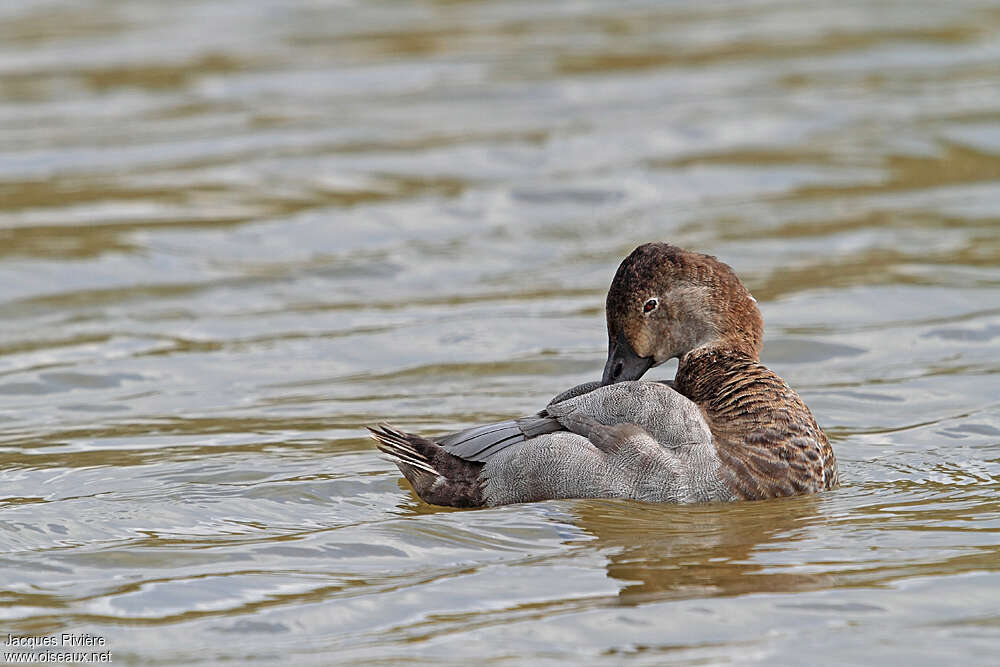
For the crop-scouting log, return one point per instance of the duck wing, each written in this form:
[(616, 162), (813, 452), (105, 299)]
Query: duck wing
[(641, 440), (479, 443), (652, 405), (578, 390), (669, 417)]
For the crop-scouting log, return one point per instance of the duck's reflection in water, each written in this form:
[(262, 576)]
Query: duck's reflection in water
[(682, 551), (657, 551)]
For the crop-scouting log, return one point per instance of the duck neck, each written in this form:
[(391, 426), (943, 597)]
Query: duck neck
[(705, 373)]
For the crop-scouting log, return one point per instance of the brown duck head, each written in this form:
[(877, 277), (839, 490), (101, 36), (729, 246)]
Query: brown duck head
[(665, 301)]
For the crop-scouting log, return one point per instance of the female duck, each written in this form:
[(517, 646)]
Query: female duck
[(726, 428)]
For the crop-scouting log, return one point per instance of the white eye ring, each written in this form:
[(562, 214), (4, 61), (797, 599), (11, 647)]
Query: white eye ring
[(650, 306)]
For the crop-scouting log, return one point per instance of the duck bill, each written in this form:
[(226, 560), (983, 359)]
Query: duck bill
[(623, 363)]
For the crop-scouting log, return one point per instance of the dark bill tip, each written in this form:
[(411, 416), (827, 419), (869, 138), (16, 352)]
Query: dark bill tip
[(623, 363)]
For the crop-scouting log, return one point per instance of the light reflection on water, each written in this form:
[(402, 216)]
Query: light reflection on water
[(233, 234)]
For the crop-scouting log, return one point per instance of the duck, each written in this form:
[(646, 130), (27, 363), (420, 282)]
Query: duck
[(725, 429)]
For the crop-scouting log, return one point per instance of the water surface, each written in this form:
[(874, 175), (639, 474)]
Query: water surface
[(232, 234)]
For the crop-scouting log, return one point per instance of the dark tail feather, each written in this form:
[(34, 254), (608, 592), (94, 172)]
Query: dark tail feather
[(437, 476), (397, 448)]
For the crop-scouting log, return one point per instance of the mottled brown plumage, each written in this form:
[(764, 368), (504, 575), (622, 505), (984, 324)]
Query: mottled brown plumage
[(765, 436)]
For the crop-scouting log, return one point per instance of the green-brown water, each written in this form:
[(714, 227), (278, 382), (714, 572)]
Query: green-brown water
[(234, 233)]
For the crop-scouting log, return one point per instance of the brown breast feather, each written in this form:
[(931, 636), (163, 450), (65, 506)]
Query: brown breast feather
[(766, 437)]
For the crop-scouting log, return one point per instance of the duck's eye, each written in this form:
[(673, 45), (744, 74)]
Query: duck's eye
[(650, 306)]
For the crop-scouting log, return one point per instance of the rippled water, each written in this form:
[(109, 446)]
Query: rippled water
[(232, 234)]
